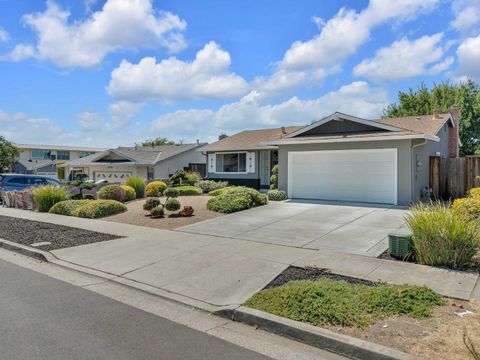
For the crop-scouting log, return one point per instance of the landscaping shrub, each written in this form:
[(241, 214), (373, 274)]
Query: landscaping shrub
[(151, 203), (47, 196), (171, 192), (172, 204), (257, 198), (276, 195), (87, 185), (66, 207), (189, 190), (191, 178), (94, 209), (157, 212), (336, 302), (111, 192), (155, 188), (474, 192), (210, 185), (274, 178), (138, 185), (230, 203), (129, 193), (442, 237), (468, 207), (178, 177)]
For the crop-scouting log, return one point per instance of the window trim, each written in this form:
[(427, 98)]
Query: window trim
[(232, 172)]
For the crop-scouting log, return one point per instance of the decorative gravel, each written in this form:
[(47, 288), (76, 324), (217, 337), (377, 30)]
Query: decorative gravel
[(28, 232), (294, 273)]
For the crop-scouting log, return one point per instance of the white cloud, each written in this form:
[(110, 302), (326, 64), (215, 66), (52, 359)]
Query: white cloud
[(121, 113), (120, 24), (467, 15), (405, 58), (4, 36), (20, 52), (357, 98), (172, 80), (339, 38), (468, 54)]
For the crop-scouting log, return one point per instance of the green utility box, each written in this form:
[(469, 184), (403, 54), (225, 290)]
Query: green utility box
[(399, 245)]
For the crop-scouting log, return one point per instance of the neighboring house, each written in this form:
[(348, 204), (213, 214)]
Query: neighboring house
[(116, 165), (341, 157), (43, 159)]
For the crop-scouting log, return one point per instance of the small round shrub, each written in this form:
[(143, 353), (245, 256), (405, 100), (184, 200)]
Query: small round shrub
[(172, 204), (87, 185), (475, 192), (157, 212), (189, 190), (155, 188), (274, 178), (210, 185), (277, 195), (47, 196), (151, 203), (129, 193), (138, 185), (261, 199), (256, 197), (229, 203), (94, 209), (171, 192), (191, 178), (111, 192), (66, 207), (468, 207)]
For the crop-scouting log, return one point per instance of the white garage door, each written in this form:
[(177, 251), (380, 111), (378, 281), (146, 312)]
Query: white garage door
[(344, 175)]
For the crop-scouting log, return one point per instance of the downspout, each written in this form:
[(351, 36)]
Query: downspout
[(414, 168)]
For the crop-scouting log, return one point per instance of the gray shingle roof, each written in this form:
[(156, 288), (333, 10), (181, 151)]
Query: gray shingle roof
[(138, 155)]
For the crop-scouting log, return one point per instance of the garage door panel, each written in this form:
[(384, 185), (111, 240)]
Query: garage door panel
[(345, 175)]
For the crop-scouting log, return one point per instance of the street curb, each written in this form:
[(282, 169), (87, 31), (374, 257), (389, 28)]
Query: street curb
[(325, 339), (26, 250)]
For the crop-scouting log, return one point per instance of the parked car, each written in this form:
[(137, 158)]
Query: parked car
[(12, 182)]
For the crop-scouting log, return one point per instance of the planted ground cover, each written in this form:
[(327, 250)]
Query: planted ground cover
[(28, 232)]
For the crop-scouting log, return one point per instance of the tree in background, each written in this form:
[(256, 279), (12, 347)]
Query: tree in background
[(156, 142), (441, 97), (7, 153)]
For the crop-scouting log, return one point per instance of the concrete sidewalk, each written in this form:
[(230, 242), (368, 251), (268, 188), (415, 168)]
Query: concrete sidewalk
[(210, 271)]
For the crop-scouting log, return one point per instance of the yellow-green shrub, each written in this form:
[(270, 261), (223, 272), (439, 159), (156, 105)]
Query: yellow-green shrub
[(138, 184), (475, 192), (99, 208), (468, 207), (129, 193), (47, 196), (67, 207), (155, 188)]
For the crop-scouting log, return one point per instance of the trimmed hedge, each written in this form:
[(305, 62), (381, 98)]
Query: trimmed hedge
[(47, 196), (94, 209), (230, 203), (111, 192), (157, 212), (189, 190), (256, 197), (138, 185), (129, 193), (67, 207), (172, 204), (468, 207), (155, 188), (150, 203), (276, 195), (171, 192), (210, 185)]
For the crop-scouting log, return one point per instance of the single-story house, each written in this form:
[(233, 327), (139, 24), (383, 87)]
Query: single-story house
[(116, 165), (341, 157)]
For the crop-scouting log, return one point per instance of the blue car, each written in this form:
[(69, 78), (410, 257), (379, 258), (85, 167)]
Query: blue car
[(11, 182)]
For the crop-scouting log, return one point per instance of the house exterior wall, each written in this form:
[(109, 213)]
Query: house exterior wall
[(167, 167), (404, 161)]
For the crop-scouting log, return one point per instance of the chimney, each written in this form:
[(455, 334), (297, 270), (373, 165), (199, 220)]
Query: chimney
[(435, 114), (454, 133), (222, 136), (284, 132)]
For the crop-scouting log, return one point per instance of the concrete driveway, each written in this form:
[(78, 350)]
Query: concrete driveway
[(342, 227)]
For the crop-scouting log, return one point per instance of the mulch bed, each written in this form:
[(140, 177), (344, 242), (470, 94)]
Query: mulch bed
[(293, 273), (28, 232)]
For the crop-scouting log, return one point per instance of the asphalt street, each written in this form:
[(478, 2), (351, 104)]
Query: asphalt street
[(44, 318)]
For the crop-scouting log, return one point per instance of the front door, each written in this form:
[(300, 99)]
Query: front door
[(264, 168)]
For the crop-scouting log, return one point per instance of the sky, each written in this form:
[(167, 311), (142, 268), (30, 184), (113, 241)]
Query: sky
[(110, 73)]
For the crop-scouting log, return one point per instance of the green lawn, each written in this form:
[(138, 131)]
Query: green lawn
[(337, 302)]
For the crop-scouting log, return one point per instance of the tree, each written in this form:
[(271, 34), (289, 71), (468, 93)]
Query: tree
[(156, 142), (7, 153), (441, 97)]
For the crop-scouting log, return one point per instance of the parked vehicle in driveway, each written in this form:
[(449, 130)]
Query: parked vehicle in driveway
[(13, 182)]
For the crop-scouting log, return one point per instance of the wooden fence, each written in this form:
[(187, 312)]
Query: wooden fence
[(452, 178)]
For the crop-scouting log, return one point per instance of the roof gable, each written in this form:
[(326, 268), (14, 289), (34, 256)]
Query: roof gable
[(339, 123)]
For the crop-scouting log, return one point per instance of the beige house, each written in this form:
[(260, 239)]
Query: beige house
[(116, 165), (44, 159)]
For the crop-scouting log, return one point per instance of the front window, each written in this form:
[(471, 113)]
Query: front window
[(63, 155), (84, 153), (231, 163), (39, 154)]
